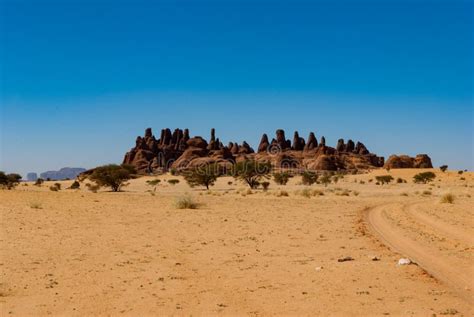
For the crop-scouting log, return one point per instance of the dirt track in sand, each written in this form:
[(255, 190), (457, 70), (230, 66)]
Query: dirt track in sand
[(77, 253), (445, 269)]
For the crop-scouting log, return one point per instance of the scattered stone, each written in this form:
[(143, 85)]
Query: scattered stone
[(346, 259), (404, 262)]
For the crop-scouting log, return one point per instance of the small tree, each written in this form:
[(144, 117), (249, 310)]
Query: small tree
[(281, 178), (9, 180), (443, 168), (113, 176), (252, 171), (309, 178), (204, 175), (384, 179), (424, 177), (75, 185), (325, 180)]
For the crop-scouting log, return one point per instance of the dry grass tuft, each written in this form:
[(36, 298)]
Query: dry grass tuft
[(185, 202), (282, 193), (447, 199), (35, 205)]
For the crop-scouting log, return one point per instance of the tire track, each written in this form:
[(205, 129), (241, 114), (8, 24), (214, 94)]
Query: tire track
[(427, 258)]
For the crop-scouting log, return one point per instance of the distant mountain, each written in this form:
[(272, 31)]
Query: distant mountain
[(31, 177), (63, 173)]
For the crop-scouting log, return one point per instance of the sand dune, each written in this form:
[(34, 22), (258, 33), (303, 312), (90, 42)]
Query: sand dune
[(76, 253)]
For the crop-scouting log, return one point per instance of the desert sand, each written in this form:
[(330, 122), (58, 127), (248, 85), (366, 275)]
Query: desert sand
[(133, 253)]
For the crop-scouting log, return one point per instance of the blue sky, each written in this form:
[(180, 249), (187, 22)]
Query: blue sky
[(80, 80)]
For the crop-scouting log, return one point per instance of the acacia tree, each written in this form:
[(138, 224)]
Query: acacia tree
[(204, 175), (9, 180), (252, 172), (424, 177), (113, 176)]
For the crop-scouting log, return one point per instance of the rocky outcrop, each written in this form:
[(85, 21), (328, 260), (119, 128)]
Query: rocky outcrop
[(179, 150), (405, 161)]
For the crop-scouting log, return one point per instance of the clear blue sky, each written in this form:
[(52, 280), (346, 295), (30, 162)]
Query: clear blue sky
[(80, 80)]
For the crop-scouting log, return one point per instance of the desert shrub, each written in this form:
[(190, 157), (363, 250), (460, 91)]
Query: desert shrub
[(325, 179), (401, 180), (173, 181), (113, 176), (426, 193), (318, 192), (53, 188), (356, 193), (252, 172), (377, 183), (75, 185), (306, 193), (93, 187), (35, 205), (57, 185), (424, 177), (281, 178), (335, 179), (185, 202), (282, 193), (173, 171), (460, 172), (443, 168), (362, 182), (9, 181), (265, 185), (39, 182), (371, 180), (384, 179), (230, 183), (309, 178), (447, 199), (153, 182), (462, 178), (343, 193), (205, 175), (404, 194)]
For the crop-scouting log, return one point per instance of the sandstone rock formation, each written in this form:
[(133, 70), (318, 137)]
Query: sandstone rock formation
[(405, 161), (179, 150)]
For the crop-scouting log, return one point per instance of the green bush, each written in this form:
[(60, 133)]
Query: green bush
[(173, 181), (384, 179), (153, 182), (281, 178), (424, 177), (325, 179), (309, 178), (205, 175), (252, 172), (113, 176)]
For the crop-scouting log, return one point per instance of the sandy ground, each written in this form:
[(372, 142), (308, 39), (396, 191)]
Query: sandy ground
[(77, 253)]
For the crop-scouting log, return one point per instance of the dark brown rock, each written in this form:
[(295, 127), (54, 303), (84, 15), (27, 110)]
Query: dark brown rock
[(340, 147), (312, 142), (263, 146)]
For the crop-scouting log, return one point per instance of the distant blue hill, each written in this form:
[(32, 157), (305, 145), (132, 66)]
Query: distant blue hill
[(63, 173)]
